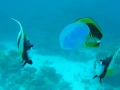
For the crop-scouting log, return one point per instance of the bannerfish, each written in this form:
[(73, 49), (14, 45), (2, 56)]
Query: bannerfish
[(24, 45), (83, 33), (105, 67)]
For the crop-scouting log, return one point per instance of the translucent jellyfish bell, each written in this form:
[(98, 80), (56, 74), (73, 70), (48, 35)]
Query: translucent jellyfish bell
[(74, 35)]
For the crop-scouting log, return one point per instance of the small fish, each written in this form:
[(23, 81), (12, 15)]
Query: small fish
[(24, 45), (105, 67)]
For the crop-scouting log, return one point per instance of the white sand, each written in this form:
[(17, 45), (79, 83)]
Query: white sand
[(78, 74), (73, 72)]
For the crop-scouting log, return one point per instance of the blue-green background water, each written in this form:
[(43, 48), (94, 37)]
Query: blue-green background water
[(43, 20)]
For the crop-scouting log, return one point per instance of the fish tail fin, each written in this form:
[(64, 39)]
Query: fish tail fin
[(29, 62)]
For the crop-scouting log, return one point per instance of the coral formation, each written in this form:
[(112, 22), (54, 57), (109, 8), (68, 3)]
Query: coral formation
[(14, 77)]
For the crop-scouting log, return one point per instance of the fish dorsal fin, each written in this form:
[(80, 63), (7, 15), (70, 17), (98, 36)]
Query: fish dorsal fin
[(94, 28), (21, 29), (90, 21), (20, 38), (111, 70), (18, 23), (113, 59)]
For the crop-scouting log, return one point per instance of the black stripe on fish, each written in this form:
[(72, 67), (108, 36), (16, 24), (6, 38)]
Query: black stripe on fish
[(94, 30), (19, 40), (28, 45)]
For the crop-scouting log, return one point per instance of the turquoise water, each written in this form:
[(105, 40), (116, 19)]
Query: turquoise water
[(43, 21)]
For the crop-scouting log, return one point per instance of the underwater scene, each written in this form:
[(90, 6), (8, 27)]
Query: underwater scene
[(59, 45)]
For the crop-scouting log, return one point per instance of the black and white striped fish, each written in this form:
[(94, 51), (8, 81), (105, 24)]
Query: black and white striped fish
[(24, 45)]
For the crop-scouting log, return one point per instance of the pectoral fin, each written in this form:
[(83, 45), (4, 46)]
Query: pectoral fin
[(95, 76)]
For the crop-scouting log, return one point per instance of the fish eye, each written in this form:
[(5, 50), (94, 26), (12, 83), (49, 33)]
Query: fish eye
[(100, 61)]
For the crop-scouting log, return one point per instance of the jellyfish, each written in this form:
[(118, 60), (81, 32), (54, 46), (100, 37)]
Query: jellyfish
[(83, 33)]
